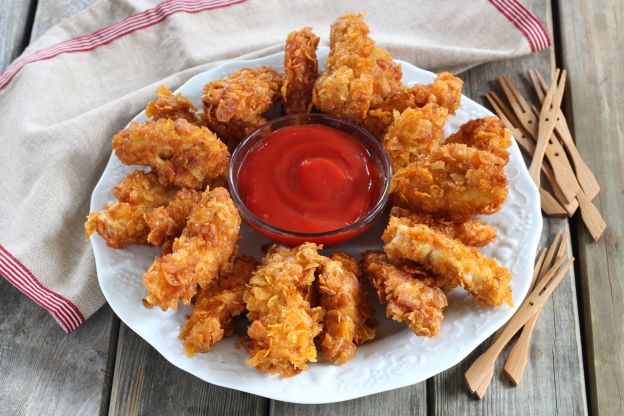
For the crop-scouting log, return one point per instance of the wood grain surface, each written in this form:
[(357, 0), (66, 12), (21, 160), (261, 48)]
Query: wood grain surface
[(592, 35)]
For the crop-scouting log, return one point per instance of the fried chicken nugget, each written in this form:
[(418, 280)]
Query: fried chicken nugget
[(445, 91), (489, 134), (387, 76), (249, 91), (233, 132), (216, 307), (167, 222), (481, 276), (408, 299), (204, 248), (123, 223), (171, 106), (349, 316), (283, 323), (454, 181), (345, 89), (300, 71), (414, 132), (179, 152), (470, 232)]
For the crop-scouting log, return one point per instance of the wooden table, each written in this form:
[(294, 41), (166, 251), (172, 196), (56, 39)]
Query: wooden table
[(577, 357)]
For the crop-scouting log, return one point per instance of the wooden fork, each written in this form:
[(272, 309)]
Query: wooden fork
[(564, 174), (585, 176), (552, 206), (547, 120), (479, 375)]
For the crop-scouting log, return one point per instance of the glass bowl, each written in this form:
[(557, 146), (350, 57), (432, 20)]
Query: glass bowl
[(330, 237)]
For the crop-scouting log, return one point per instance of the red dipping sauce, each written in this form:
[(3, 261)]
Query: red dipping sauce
[(309, 179)]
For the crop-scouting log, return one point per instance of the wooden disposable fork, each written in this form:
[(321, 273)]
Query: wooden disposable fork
[(547, 120), (562, 170), (552, 206), (585, 176)]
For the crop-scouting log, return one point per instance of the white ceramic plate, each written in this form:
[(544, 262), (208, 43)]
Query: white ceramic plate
[(397, 357)]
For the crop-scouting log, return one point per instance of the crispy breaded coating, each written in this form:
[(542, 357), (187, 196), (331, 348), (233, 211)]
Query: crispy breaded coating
[(171, 106), (386, 76), (487, 133), (481, 276), (233, 132), (204, 248), (454, 181), (414, 132), (470, 232), (249, 91), (179, 152), (216, 307), (167, 222), (123, 223), (445, 91), (408, 299), (300, 71), (345, 89), (349, 316), (283, 323)]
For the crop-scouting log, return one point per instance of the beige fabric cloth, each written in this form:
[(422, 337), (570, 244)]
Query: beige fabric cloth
[(58, 115)]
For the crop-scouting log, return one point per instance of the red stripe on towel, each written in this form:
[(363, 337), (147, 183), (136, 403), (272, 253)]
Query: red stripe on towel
[(525, 21), (108, 34)]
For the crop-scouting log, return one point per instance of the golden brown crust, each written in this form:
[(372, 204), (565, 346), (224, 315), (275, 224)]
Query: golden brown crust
[(204, 248), (386, 76), (167, 222), (489, 134), (300, 71), (454, 181), (408, 299), (345, 89), (233, 132), (481, 276), (470, 232), (414, 132), (349, 316), (283, 323), (123, 223), (179, 152), (216, 307), (247, 92), (171, 106)]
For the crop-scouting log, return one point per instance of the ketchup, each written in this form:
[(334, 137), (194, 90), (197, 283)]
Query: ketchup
[(310, 179)]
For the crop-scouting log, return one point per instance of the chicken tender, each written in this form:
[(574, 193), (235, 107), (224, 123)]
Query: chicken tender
[(179, 152), (454, 181), (408, 299), (233, 132), (204, 248), (345, 89), (167, 222), (283, 323), (216, 307), (445, 91), (123, 223), (489, 134), (248, 92), (300, 71), (349, 316), (415, 131), (470, 232), (481, 276), (386, 76), (171, 106)]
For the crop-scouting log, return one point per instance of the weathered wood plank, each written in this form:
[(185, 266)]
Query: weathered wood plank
[(14, 28), (145, 383), (553, 381), (45, 371), (592, 36)]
